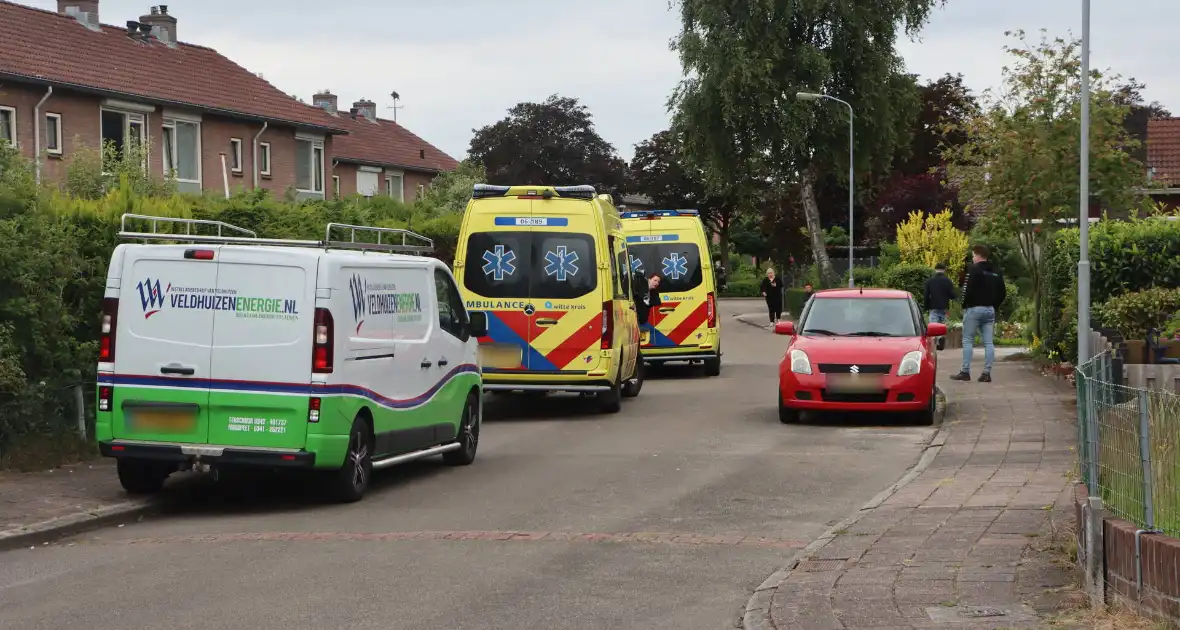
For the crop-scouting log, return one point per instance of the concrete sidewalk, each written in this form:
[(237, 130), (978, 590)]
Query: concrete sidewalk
[(953, 544)]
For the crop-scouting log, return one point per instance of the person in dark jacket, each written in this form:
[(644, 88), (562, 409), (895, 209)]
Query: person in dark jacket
[(646, 293), (983, 293), (772, 291), (940, 292)]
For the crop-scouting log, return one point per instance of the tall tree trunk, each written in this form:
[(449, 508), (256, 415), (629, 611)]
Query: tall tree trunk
[(815, 230), (723, 222)]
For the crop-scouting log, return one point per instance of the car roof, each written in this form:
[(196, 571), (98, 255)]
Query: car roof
[(862, 293)]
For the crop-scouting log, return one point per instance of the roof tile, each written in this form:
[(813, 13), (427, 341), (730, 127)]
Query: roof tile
[(1163, 150), (389, 144), (46, 46)]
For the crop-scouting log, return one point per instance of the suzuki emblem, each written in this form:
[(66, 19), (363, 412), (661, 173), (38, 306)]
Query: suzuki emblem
[(854, 369)]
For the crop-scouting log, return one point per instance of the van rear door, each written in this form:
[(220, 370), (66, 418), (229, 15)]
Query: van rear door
[(682, 320), (163, 347), (262, 347)]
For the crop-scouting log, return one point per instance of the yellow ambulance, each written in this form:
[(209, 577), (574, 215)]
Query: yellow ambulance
[(549, 267), (684, 327)]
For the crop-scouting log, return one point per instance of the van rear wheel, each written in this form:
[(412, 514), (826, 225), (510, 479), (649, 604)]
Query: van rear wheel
[(713, 366), (468, 438), (634, 384), (142, 477), (611, 401), (352, 480)]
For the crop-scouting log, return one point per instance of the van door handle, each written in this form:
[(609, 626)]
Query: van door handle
[(546, 321), (442, 362), (180, 371), (667, 309), (426, 364)]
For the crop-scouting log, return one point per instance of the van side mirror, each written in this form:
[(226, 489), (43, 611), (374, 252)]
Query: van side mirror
[(478, 323), (784, 328)]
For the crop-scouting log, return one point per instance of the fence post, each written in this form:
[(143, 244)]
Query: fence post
[(1093, 403), (1095, 553), (1145, 460), (80, 406), (1083, 385)]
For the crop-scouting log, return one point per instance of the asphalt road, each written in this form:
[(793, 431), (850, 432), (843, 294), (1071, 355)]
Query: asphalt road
[(666, 515)]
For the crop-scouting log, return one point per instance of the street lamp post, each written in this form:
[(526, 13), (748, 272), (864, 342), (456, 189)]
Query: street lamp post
[(1084, 202), (812, 96)]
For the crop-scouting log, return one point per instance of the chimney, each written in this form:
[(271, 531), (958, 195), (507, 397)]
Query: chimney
[(161, 25), (85, 11), (366, 108), (352, 113), (326, 100)]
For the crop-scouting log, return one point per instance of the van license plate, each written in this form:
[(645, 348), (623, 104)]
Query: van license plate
[(501, 355), (157, 421)]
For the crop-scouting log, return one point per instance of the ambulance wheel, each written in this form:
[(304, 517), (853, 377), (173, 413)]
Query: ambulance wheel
[(141, 477), (713, 366), (468, 435), (611, 401), (634, 384), (349, 483)]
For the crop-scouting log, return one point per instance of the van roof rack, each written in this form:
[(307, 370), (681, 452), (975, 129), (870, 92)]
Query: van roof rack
[(228, 234)]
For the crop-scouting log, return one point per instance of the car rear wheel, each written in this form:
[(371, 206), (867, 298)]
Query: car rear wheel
[(634, 384), (142, 477), (927, 415), (786, 415)]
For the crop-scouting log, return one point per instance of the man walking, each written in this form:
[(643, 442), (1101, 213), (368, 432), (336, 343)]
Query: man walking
[(940, 290), (983, 293)]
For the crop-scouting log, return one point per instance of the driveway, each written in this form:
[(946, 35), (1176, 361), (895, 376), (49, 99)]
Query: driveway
[(666, 515)]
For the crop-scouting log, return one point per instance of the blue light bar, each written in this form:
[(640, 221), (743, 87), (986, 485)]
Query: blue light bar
[(482, 191), (577, 192), (651, 214)]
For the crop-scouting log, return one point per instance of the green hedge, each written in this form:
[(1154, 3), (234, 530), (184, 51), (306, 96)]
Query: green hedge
[(742, 287), (864, 276), (793, 301), (1125, 256), (1133, 314), (910, 277)]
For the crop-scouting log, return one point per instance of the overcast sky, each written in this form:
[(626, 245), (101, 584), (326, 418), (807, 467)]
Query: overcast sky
[(459, 64)]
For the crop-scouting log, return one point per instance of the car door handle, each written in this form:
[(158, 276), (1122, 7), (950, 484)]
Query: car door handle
[(426, 364), (442, 362), (546, 321), (179, 371)]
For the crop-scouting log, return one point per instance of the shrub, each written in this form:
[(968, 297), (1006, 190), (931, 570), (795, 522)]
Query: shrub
[(910, 277), (742, 287), (793, 301), (864, 276), (932, 239), (1133, 314)]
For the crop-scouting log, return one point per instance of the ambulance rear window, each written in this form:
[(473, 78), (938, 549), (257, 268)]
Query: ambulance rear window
[(678, 264), (535, 264)]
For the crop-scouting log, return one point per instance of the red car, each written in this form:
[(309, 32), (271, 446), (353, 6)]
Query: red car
[(859, 350)]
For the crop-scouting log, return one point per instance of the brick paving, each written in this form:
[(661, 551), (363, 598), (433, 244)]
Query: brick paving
[(956, 547), (30, 498)]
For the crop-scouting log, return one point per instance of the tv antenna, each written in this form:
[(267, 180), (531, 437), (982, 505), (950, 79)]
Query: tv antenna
[(396, 99)]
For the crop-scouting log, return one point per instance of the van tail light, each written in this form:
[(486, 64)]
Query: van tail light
[(313, 409), (106, 394), (110, 324), (711, 310), (608, 324), (322, 347)]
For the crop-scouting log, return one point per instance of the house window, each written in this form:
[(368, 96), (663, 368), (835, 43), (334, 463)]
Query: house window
[(309, 166), (182, 150), (53, 134), (123, 128), (8, 124), (235, 154), (264, 158), (394, 187), (421, 191), (336, 186)]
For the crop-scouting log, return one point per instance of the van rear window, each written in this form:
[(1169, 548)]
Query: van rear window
[(550, 265), (678, 264)]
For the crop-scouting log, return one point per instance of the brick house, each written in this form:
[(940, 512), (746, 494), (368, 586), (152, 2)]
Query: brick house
[(190, 104), (379, 156), (1163, 160)]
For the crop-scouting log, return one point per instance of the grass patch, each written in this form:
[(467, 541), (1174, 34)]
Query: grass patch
[(28, 453)]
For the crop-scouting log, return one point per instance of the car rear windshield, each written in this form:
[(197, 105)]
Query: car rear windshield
[(548, 265), (868, 317), (678, 264)]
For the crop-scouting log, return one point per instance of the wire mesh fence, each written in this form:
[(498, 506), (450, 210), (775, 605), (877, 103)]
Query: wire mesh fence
[(1129, 446), (47, 425)]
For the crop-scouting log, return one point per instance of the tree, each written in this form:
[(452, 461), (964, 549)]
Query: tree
[(548, 143), (746, 59), (660, 171), (931, 239), (450, 191), (1019, 168)]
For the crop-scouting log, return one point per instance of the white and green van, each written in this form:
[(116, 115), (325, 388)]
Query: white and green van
[(229, 350)]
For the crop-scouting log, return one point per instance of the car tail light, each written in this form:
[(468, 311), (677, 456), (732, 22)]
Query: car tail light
[(106, 394), (322, 348), (608, 324), (712, 310), (313, 409), (110, 324)]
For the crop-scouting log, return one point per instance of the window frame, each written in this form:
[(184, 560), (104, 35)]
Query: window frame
[(236, 162), (421, 191), (12, 129), (264, 159), (314, 150), (170, 144), (57, 139), (336, 186), (447, 293), (401, 189), (130, 118)]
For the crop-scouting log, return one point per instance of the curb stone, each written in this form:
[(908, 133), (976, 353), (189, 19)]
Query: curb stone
[(756, 615), (45, 531)]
